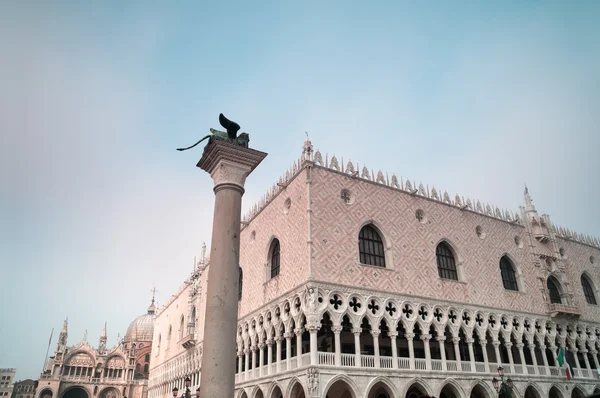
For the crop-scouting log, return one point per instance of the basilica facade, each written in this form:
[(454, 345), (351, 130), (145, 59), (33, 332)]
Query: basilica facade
[(84, 371), (361, 284)]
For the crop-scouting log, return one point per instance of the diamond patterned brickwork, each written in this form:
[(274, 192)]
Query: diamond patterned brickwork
[(412, 244), (292, 231), (577, 261)]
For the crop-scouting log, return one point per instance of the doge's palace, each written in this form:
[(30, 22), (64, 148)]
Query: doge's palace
[(356, 283)]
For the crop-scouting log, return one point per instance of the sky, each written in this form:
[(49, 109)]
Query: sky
[(474, 97)]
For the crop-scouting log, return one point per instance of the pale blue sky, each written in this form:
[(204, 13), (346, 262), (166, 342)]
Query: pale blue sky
[(476, 97)]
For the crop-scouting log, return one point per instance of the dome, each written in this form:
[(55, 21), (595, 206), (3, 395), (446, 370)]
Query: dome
[(142, 327)]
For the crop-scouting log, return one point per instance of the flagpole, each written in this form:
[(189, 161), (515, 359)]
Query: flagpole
[(47, 351)]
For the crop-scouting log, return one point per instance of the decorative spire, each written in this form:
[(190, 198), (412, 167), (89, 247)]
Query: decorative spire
[(102, 344), (62, 337), (152, 308), (203, 258), (307, 149), (85, 336), (103, 335), (528, 202)]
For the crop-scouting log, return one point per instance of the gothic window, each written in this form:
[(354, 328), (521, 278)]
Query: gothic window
[(588, 291), (553, 291), (240, 282), (370, 247), (445, 262), (147, 358), (158, 345), (509, 279), (181, 327), (274, 258), (169, 336)]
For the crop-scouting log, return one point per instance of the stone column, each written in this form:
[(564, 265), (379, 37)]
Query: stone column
[(299, 332), (240, 370), (393, 335), (533, 358), (411, 350), (314, 354), (456, 340), (288, 350), (545, 359), (511, 362), (585, 358), (247, 353), (442, 343), (470, 342), (278, 340), (228, 165), (261, 359), (426, 338), (338, 345), (496, 345), (594, 355), (522, 356), (269, 355), (375, 334), (486, 363), (357, 332), (577, 364), (254, 348)]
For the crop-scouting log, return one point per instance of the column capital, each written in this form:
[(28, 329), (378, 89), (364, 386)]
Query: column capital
[(313, 327), (278, 338), (375, 333), (336, 329), (552, 347), (508, 344), (229, 164), (469, 341), (393, 334), (269, 342), (288, 335), (483, 343), (254, 348), (542, 347), (593, 352), (440, 338), (456, 340), (425, 337), (519, 346), (261, 346), (299, 331), (409, 336), (246, 351), (531, 346), (357, 331), (583, 351)]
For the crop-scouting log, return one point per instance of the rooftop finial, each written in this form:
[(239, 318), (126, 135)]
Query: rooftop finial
[(152, 308), (203, 259)]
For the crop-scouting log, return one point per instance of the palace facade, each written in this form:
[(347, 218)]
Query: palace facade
[(354, 284)]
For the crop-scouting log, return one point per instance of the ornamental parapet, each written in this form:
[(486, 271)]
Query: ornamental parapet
[(564, 309)]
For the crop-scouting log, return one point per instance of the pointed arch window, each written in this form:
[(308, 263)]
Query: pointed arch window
[(181, 327), (509, 277), (445, 262), (169, 336), (588, 291), (553, 291), (370, 247), (274, 257)]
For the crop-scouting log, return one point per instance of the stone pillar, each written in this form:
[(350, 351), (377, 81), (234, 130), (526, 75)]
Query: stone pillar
[(254, 348), (377, 360), (511, 362), (545, 359), (496, 345), (486, 363), (470, 342), (299, 332), (426, 338), (577, 364), (442, 343), (228, 165), (456, 340), (338, 345), (278, 340), (393, 335), (247, 353), (594, 355), (314, 354), (357, 332), (288, 350), (411, 350), (240, 370), (269, 356), (261, 359), (522, 356), (585, 358), (533, 358)]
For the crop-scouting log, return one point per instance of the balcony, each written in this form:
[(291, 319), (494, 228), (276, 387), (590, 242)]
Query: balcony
[(563, 309), (188, 341)]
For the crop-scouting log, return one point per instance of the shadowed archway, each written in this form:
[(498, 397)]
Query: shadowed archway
[(340, 389), (46, 393), (76, 392), (531, 392), (555, 393), (479, 391), (276, 393), (297, 391), (380, 390)]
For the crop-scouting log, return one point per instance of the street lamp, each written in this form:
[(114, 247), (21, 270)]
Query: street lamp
[(501, 387)]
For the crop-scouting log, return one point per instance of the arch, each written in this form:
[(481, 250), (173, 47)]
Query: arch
[(83, 357), (417, 387), (371, 247), (109, 392), (242, 393), (340, 386), (555, 392), (554, 289), (508, 272), (578, 392), (481, 390), (446, 261), (46, 393), (181, 326), (274, 391), (380, 386), (588, 289), (453, 386), (533, 391), (257, 393), (274, 258), (295, 389), (76, 392)]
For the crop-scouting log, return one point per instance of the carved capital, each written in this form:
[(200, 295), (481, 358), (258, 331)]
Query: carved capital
[(519, 346), (336, 329), (456, 340), (393, 334), (246, 351), (542, 347), (583, 351), (261, 346), (299, 331), (254, 348), (496, 343), (313, 327), (278, 339), (440, 338), (288, 335), (229, 164), (375, 333), (409, 336), (508, 345), (469, 340), (270, 342), (425, 337), (357, 331)]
